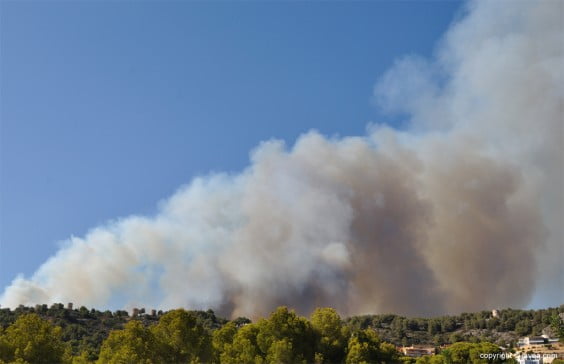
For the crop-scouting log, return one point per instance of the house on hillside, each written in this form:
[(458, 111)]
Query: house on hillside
[(536, 340), (417, 351)]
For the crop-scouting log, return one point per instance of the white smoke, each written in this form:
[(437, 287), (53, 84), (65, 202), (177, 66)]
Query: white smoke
[(462, 211)]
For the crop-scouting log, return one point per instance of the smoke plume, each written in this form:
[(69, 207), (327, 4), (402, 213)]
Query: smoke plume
[(460, 211)]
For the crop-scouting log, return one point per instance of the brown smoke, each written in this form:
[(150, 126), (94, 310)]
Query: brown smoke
[(462, 211)]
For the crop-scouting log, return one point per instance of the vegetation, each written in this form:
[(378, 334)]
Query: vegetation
[(80, 336), (34, 340), (476, 327)]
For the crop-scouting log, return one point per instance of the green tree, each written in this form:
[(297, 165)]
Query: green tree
[(297, 331), (222, 338), (523, 327), (431, 359), (407, 360), (83, 358), (183, 338), (5, 350), (133, 344), (244, 349), (331, 334), (388, 352), (33, 340), (455, 337), (281, 351), (364, 347), (469, 353), (557, 325)]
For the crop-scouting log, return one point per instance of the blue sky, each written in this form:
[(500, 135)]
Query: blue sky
[(108, 107)]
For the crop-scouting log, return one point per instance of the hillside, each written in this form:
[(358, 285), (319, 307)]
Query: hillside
[(86, 329), (505, 329)]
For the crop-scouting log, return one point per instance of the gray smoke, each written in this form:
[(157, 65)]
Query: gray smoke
[(462, 211)]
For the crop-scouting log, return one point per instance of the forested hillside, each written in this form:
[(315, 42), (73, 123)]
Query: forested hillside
[(479, 326), (59, 334)]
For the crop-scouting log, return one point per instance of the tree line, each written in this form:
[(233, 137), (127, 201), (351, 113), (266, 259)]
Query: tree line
[(180, 336), (505, 329)]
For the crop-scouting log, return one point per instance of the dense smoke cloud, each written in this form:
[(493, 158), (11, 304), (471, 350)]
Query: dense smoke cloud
[(461, 211)]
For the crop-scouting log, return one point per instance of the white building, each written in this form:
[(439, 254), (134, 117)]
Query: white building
[(417, 351), (529, 359), (532, 340), (536, 340)]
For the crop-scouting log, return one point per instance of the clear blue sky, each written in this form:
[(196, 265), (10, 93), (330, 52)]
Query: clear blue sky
[(108, 107)]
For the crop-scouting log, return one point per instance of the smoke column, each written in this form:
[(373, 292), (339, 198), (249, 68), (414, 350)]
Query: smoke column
[(462, 210)]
